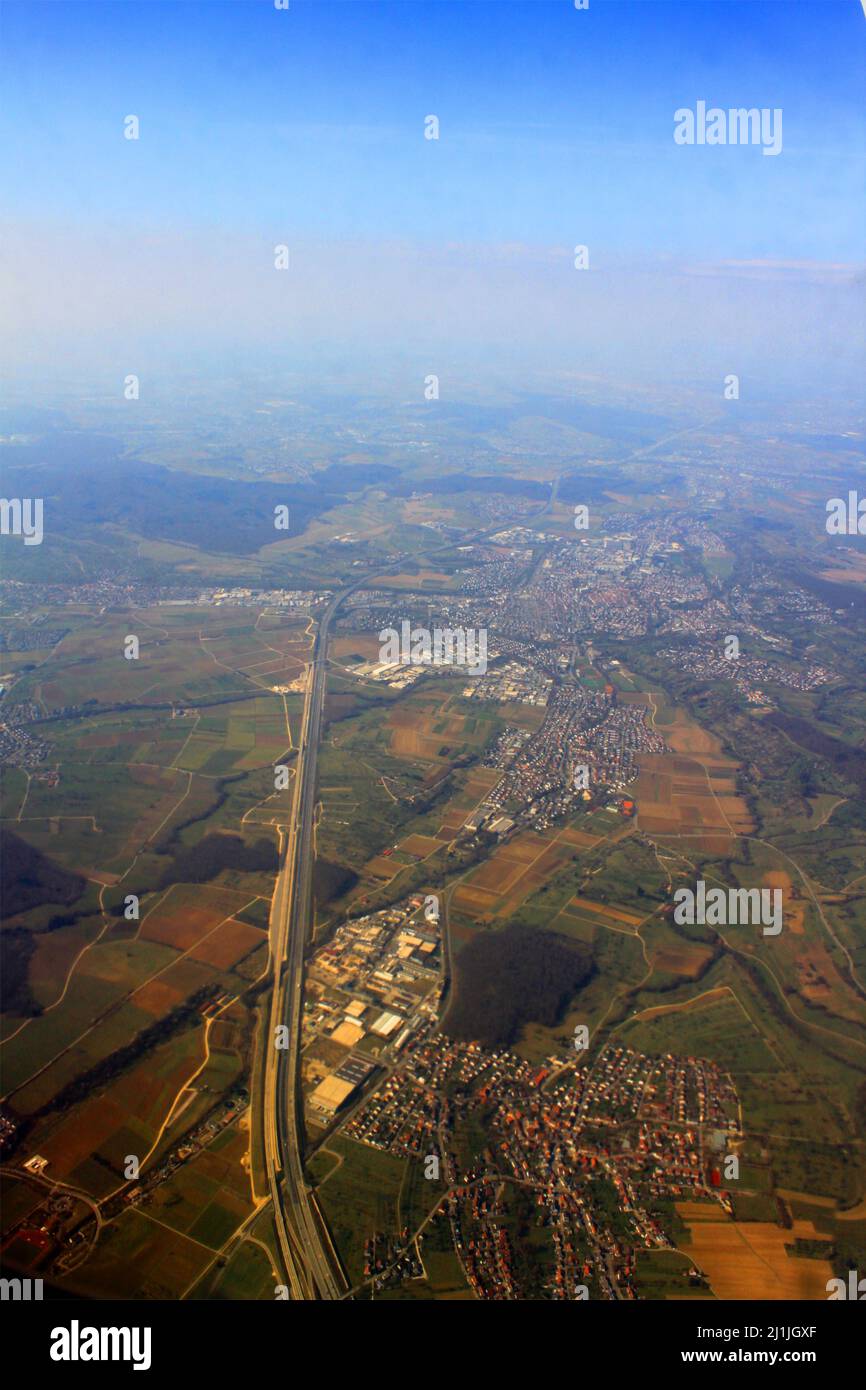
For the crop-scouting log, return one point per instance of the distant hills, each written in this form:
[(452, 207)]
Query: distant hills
[(86, 482)]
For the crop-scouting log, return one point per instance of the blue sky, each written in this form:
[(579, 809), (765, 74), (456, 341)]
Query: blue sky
[(306, 126), (554, 122)]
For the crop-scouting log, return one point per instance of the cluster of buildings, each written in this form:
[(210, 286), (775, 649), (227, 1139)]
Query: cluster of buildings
[(35, 637), (512, 682), (505, 747), (49, 1236), (499, 569), (305, 600), (106, 590), (766, 611), (611, 747), (536, 592), (711, 619), (580, 587), (391, 1259), (585, 1157), (540, 779), (398, 677), (20, 746), (749, 674), (769, 600), (582, 728), (368, 990)]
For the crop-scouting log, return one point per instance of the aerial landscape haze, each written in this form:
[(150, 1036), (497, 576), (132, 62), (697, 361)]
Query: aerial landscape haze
[(432, 666)]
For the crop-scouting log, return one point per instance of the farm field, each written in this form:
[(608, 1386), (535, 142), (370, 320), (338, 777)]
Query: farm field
[(679, 794), (139, 1259), (122, 1035), (358, 1197), (515, 871), (750, 1260)]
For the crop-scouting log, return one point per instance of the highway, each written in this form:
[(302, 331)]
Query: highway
[(308, 1257)]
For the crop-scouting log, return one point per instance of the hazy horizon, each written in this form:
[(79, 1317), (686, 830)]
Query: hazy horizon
[(305, 128)]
